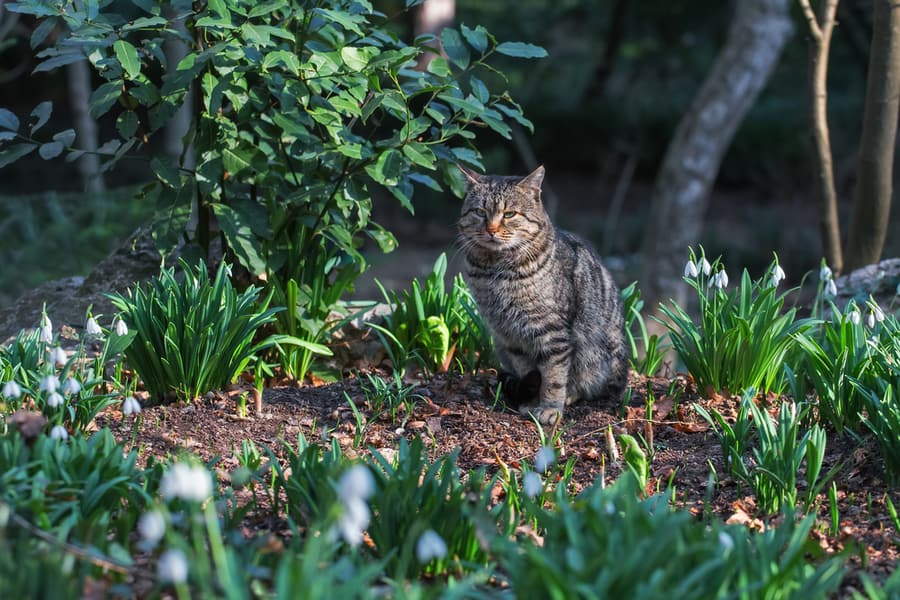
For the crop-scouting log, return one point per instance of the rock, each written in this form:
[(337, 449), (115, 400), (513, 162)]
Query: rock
[(880, 281)]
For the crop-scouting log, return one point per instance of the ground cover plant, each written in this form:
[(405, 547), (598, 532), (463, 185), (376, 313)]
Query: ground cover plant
[(125, 502)]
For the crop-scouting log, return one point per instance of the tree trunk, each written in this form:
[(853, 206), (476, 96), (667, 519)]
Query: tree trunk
[(820, 30), (79, 76), (431, 17), (758, 33), (876, 153)]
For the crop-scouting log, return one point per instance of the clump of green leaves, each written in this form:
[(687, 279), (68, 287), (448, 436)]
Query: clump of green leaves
[(606, 544), (647, 351), (435, 328), (193, 335), (743, 337)]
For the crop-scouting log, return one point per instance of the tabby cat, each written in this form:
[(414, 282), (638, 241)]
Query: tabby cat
[(553, 308)]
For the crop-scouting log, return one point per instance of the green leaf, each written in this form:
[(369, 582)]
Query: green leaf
[(59, 60), (66, 137), (239, 160), (104, 97), (419, 154), (477, 38), (166, 171), (8, 120), (479, 90), (282, 57), (13, 153), (127, 123), (386, 169), (455, 48), (240, 238), (521, 50), (50, 150), (42, 111), (144, 23), (128, 57), (41, 32), (357, 58), (439, 66)]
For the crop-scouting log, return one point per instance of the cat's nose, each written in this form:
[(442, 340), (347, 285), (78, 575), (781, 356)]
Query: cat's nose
[(493, 228)]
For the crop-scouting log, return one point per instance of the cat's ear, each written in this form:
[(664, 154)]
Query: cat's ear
[(534, 179), (472, 178)]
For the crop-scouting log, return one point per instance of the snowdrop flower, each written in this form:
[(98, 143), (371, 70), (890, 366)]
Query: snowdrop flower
[(704, 265), (719, 280), (172, 567), (121, 327), (430, 545), (50, 383), (188, 482), (854, 316), (54, 400), (879, 314), (830, 289), (46, 334), (58, 356), (152, 527), (690, 269), (544, 459), (228, 270), (777, 275), (71, 386), (130, 406), (356, 484), (726, 541), (870, 320), (532, 484), (59, 433), (91, 328), (11, 389), (354, 487), (825, 273)]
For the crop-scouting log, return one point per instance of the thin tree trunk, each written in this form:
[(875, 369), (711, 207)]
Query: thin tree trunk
[(431, 17), (79, 76), (758, 33), (876, 154), (820, 30)]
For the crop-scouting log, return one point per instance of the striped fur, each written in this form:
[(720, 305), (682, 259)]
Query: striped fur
[(551, 305)]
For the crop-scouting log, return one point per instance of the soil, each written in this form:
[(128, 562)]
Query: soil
[(460, 412)]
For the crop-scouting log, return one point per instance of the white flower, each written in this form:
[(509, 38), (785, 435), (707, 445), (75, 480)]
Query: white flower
[(870, 320), (228, 270), (152, 527), (355, 484), (726, 541), (50, 383), (430, 545), (172, 567), (825, 273), (121, 327), (46, 334), (854, 316), (690, 269), (353, 521), (777, 275), (830, 288), (11, 389), (544, 459), (58, 356), (91, 328), (46, 322), (704, 265), (130, 406), (185, 481), (879, 314), (59, 433), (54, 400), (532, 484), (719, 280), (71, 386)]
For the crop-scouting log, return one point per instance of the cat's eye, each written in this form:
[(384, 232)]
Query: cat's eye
[(509, 214), (480, 212)]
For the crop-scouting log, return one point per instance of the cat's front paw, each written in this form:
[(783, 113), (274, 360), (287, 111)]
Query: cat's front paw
[(546, 415)]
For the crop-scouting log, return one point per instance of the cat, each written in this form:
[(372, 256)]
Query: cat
[(553, 309)]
